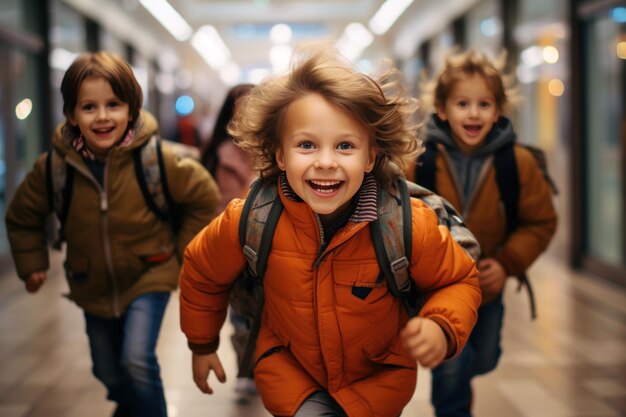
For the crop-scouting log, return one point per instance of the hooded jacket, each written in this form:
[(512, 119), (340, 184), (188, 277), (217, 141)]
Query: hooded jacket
[(318, 332), (468, 182), (117, 248)]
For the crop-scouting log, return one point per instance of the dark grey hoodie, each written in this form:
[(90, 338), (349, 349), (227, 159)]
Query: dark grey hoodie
[(468, 168)]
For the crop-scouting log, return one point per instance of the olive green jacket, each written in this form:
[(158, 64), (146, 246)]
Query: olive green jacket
[(117, 248)]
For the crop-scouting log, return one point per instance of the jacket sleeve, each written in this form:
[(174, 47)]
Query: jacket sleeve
[(26, 222), (212, 261), (194, 190), (447, 276), (537, 218)]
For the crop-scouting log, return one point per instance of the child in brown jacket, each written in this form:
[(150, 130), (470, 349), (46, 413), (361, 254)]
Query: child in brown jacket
[(468, 139)]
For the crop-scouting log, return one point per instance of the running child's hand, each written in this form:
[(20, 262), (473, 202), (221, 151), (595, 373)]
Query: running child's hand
[(201, 366), (491, 277), (425, 341), (35, 280)]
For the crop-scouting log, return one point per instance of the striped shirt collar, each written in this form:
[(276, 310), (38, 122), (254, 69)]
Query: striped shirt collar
[(366, 209)]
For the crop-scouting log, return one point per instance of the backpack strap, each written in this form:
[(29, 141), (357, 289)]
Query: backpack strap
[(392, 239), (259, 217), (152, 179), (425, 169), (507, 178), (59, 187)]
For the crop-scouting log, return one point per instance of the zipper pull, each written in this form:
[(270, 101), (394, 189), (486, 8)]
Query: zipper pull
[(104, 205)]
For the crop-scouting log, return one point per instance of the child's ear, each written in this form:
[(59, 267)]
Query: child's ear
[(72, 120), (441, 114), (280, 161), (372, 159)]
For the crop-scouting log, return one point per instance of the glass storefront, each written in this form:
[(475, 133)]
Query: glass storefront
[(605, 85), (21, 104)]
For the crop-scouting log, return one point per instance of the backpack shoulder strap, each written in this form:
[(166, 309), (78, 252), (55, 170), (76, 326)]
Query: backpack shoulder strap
[(392, 235), (425, 168), (261, 211), (507, 178), (152, 179), (392, 239), (59, 186)]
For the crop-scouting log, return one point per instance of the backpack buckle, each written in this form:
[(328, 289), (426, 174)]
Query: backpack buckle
[(400, 271), (252, 258)]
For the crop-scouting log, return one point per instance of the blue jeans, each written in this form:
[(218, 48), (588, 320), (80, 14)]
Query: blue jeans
[(123, 351), (451, 381)]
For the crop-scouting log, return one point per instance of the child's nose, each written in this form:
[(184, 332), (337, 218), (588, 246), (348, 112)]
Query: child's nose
[(102, 113), (326, 160)]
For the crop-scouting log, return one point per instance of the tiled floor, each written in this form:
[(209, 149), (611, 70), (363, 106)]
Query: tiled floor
[(570, 362)]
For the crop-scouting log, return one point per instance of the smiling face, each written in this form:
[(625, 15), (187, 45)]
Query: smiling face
[(100, 115), (325, 153), (471, 111)]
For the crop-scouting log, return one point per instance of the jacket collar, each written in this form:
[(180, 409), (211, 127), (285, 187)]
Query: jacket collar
[(366, 209)]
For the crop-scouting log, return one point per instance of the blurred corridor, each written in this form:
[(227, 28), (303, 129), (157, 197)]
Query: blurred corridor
[(570, 362)]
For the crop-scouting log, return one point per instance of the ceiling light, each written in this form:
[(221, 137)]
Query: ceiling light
[(211, 47), (230, 74), (61, 58), (169, 18), (386, 16), (280, 33), (354, 40), (280, 55)]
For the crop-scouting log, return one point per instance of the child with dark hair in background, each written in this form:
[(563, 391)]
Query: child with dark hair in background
[(467, 134), (122, 261), (333, 339), (228, 164), (232, 169)]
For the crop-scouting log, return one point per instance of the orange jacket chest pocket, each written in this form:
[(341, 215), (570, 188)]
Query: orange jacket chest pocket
[(358, 283)]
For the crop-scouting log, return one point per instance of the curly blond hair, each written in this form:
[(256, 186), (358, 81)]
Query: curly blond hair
[(459, 65), (379, 102)]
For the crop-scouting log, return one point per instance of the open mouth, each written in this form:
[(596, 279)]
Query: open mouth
[(325, 187), (103, 131), (472, 130)]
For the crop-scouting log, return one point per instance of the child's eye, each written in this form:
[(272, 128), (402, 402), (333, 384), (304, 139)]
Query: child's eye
[(485, 104), (462, 103), (345, 146), (87, 107), (306, 145), (114, 104)]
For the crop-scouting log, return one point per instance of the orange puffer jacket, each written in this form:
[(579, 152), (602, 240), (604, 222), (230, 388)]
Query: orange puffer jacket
[(315, 333)]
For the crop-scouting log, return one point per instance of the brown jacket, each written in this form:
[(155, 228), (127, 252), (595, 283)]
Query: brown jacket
[(316, 334), (112, 236), (484, 213)]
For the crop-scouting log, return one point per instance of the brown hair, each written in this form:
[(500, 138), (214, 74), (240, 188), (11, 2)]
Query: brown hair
[(470, 63), (380, 103), (112, 68)]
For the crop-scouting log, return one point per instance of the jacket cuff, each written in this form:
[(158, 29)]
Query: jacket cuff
[(204, 348), (28, 262), (447, 330), (510, 264)]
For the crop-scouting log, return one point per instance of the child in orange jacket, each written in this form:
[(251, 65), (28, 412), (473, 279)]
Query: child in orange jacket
[(332, 338)]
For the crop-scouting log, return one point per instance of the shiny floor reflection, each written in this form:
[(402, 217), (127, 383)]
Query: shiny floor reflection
[(570, 362)]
